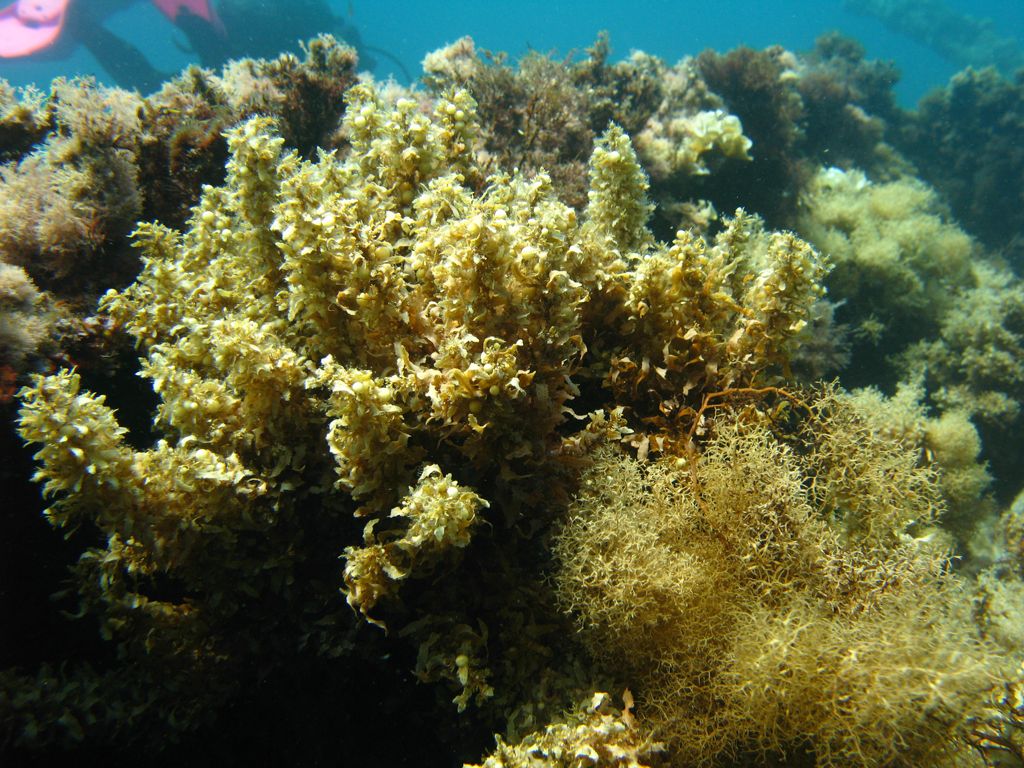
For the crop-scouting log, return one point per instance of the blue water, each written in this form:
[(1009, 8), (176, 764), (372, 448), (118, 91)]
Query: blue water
[(409, 28)]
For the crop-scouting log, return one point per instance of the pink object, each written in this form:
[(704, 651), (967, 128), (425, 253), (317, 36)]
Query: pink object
[(200, 8), (27, 26)]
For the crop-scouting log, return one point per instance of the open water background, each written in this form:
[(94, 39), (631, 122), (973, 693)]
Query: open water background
[(407, 29)]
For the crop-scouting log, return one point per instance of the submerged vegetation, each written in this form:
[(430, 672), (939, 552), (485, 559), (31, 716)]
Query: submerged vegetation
[(503, 406)]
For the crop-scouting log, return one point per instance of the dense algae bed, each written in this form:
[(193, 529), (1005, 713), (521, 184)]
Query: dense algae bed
[(544, 355)]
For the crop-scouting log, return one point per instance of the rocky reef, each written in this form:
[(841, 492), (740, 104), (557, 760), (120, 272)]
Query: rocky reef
[(497, 408)]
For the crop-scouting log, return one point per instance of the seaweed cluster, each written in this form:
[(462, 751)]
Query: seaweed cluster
[(768, 600), (437, 378), (83, 164), (964, 140), (371, 338)]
